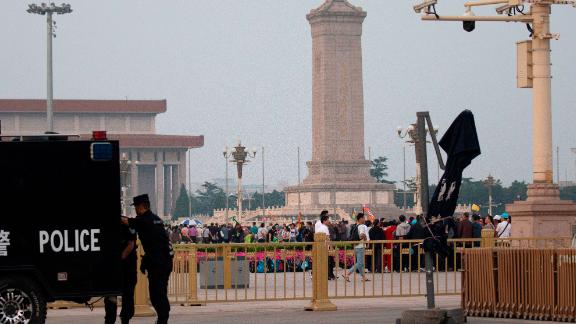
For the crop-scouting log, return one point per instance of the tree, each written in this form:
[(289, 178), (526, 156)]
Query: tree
[(182, 207), (476, 192), (517, 191), (209, 198), (568, 193), (410, 189), (271, 199), (379, 169)]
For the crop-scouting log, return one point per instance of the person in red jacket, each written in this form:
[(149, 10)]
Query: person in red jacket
[(464, 227), (389, 230)]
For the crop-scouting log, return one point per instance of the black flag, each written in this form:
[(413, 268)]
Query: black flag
[(461, 146)]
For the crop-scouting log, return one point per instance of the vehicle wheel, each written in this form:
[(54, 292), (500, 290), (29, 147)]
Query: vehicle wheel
[(21, 302)]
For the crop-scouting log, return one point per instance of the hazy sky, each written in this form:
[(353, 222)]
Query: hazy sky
[(234, 69)]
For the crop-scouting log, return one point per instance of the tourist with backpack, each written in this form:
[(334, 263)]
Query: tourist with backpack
[(358, 232)]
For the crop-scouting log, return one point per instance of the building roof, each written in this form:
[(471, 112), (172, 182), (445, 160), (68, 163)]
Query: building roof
[(154, 140), (84, 106)]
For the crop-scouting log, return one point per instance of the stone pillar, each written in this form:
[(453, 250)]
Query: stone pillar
[(541, 95), (183, 169), (337, 95), (133, 189), (160, 188), (338, 164)]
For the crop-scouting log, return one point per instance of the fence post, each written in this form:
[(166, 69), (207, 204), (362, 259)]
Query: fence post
[(320, 301), (487, 238), (141, 303), (192, 298), (226, 266)]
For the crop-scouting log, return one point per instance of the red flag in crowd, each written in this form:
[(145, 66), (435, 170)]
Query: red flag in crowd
[(366, 210)]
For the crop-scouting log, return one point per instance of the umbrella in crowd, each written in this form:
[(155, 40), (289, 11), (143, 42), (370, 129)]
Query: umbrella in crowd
[(188, 222)]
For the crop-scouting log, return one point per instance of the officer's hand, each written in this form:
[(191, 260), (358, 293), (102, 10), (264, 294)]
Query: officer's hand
[(124, 220)]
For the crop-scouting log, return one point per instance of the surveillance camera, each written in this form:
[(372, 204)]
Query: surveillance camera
[(418, 8), (469, 25), (505, 9)]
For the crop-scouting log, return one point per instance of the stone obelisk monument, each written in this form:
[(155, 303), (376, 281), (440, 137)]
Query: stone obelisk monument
[(338, 174)]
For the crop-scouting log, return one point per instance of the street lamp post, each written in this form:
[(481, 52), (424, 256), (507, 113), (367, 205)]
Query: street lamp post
[(413, 138), (240, 157), (263, 186), (125, 168), (299, 202), (404, 181), (227, 154), (48, 10), (489, 183)]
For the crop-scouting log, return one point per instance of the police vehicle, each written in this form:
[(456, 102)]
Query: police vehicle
[(60, 206)]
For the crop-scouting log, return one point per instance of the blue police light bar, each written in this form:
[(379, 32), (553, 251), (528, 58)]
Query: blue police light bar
[(101, 152)]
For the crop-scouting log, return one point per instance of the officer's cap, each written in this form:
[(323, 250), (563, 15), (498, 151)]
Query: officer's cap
[(140, 200)]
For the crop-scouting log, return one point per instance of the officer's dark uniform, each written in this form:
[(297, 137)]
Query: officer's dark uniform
[(128, 281), (158, 258)]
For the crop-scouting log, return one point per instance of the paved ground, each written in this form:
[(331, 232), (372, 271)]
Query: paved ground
[(299, 285), (375, 310)]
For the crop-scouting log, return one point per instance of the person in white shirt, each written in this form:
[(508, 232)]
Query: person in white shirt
[(503, 230), (362, 236), (321, 225), (293, 232), (262, 233)]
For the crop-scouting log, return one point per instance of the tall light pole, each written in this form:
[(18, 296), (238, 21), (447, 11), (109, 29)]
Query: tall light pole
[(240, 157), (263, 186), (533, 64), (48, 10), (533, 71)]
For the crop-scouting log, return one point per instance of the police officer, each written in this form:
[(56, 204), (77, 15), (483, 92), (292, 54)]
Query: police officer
[(129, 260), (157, 260)]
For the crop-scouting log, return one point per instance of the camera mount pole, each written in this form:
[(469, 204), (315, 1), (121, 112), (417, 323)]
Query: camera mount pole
[(431, 312), (424, 196)]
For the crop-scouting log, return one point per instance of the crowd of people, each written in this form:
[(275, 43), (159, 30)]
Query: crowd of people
[(463, 226)]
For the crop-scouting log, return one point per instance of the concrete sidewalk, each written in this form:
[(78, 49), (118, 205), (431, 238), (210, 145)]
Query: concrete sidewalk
[(374, 310)]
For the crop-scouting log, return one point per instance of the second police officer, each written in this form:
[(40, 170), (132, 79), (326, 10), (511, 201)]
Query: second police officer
[(157, 261)]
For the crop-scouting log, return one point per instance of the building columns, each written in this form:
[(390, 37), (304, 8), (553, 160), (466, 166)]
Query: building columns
[(160, 188)]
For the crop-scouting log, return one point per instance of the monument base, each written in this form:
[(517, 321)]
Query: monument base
[(345, 197), (543, 214)]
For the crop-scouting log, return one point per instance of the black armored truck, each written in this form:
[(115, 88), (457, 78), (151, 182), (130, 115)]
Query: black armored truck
[(60, 208)]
